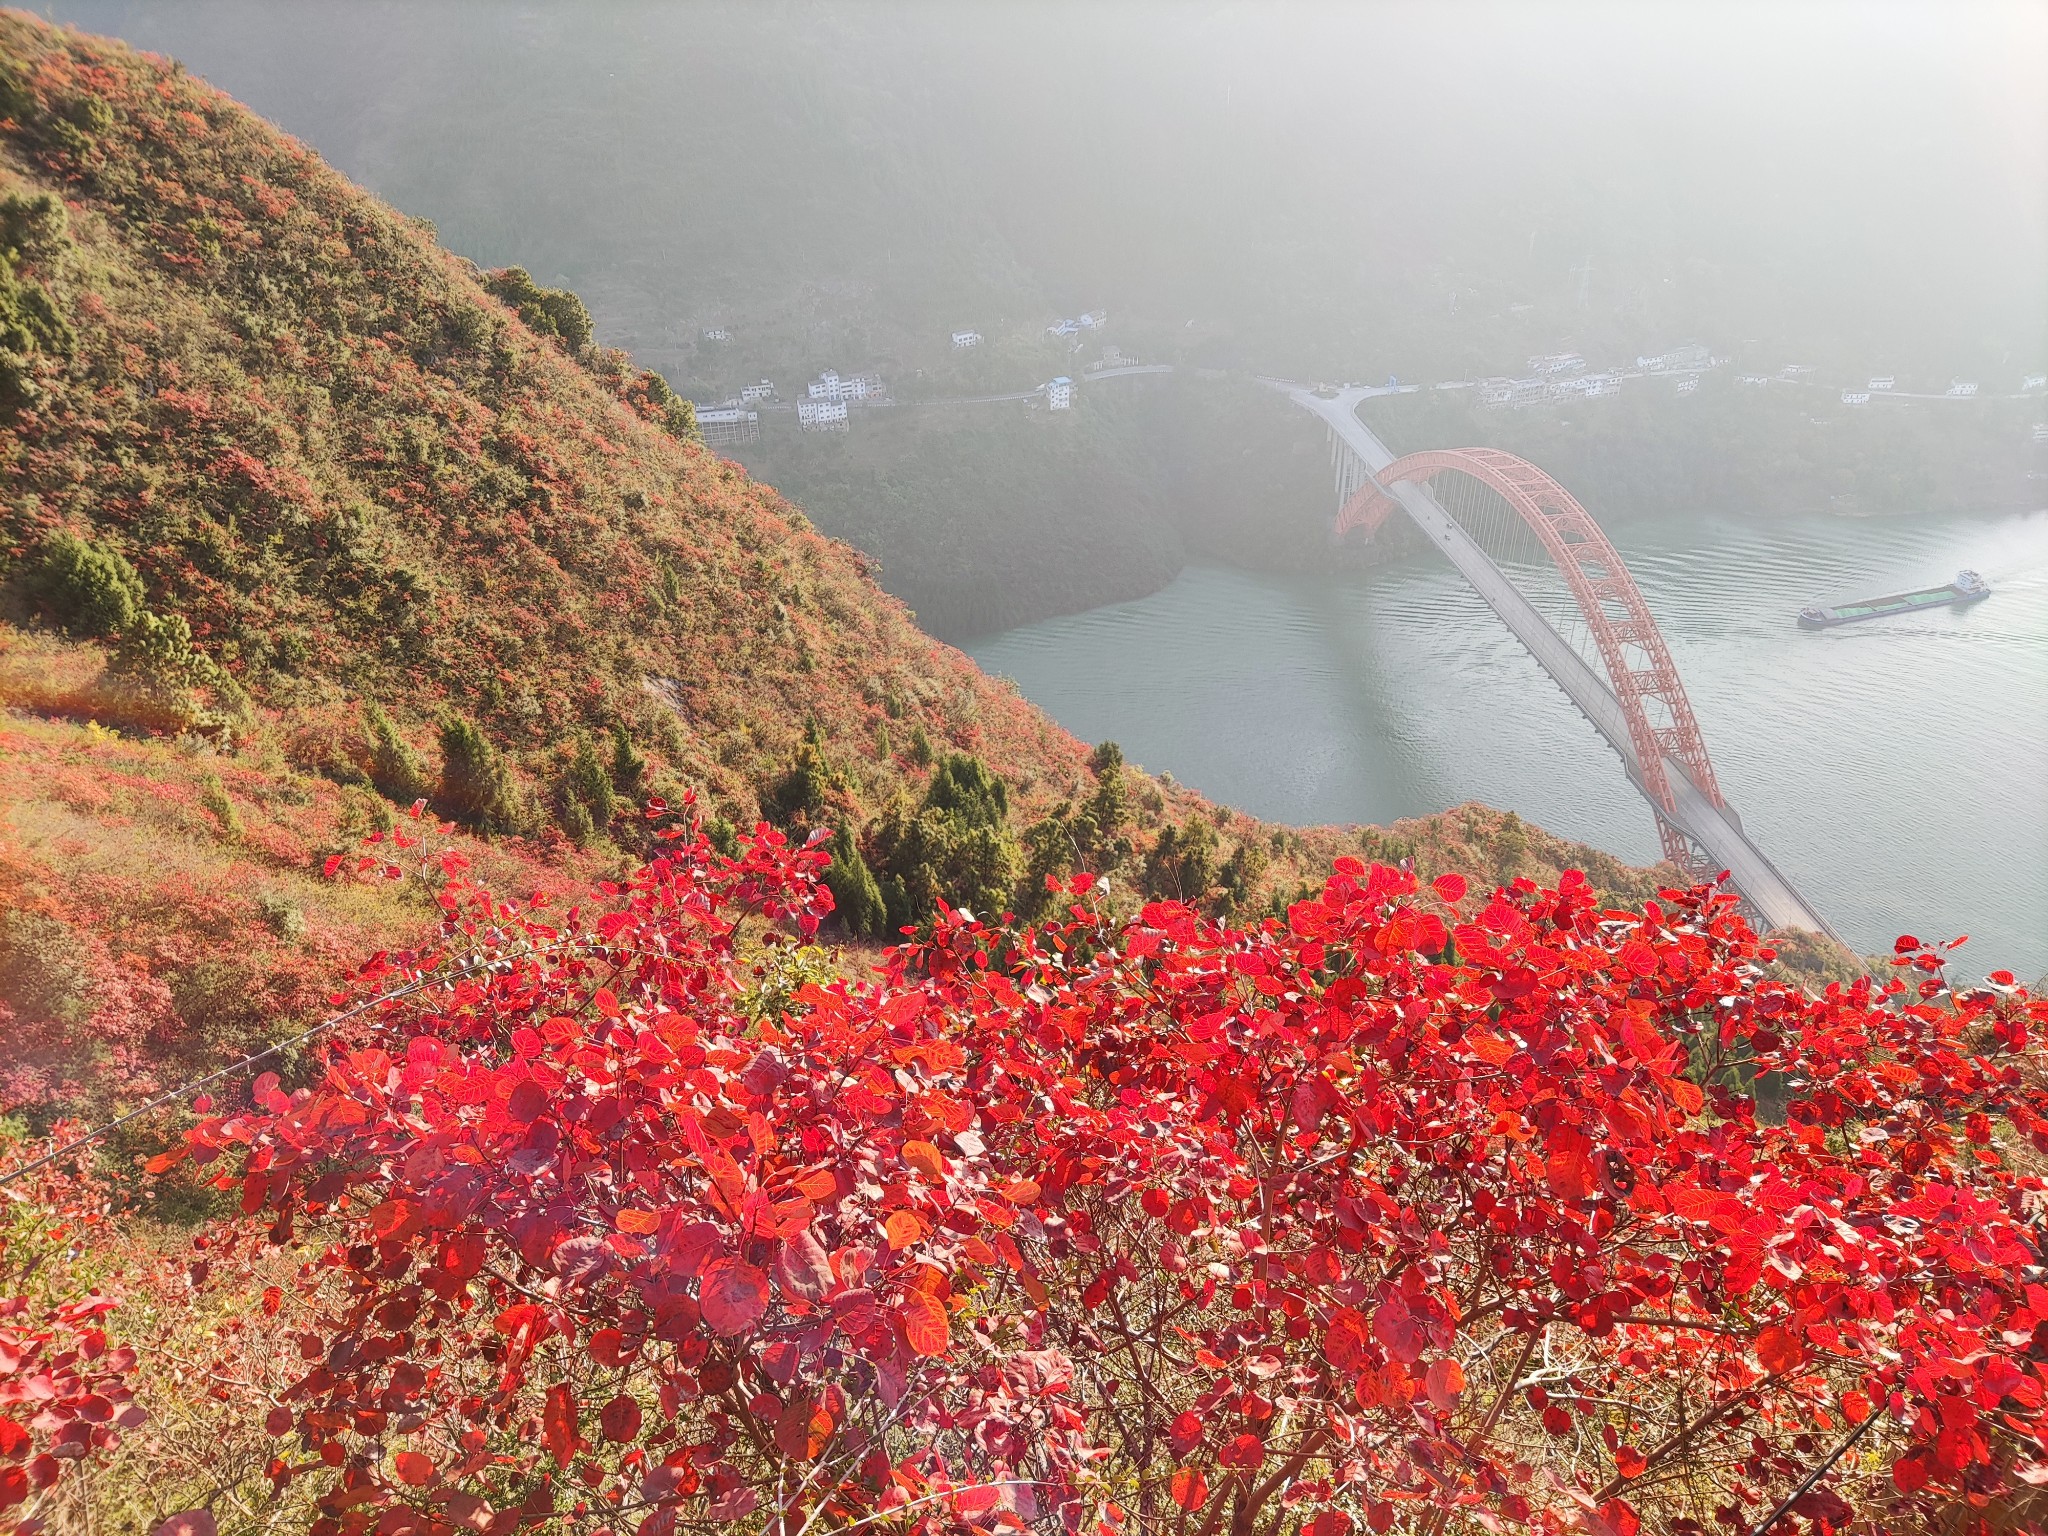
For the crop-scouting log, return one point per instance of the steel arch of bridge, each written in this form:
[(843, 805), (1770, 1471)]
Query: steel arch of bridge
[(1638, 664)]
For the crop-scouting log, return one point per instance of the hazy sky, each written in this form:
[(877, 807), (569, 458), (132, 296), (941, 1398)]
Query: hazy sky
[(1864, 179)]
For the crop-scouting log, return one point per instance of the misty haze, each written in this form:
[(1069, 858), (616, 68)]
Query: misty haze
[(1035, 612)]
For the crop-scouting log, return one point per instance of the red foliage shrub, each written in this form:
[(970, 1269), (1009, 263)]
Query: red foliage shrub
[(1405, 1209), (64, 1388)]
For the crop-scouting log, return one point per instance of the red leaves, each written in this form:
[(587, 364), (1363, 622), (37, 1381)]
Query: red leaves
[(619, 1419), (193, 1522), (1779, 1349), (1243, 1453), (1569, 1166), (803, 1266), (558, 1423), (414, 1469), (926, 1324), (1344, 1179), (734, 1295)]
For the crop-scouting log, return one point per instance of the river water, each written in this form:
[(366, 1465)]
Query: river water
[(1896, 770)]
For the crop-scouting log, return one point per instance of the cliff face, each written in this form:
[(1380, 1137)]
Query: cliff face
[(303, 517)]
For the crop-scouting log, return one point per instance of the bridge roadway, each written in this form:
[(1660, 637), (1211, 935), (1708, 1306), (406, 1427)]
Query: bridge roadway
[(1715, 829)]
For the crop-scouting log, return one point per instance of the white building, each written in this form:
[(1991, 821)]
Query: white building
[(751, 393), (1059, 394), (1519, 392), (1689, 358), (821, 415), (2033, 382), (1751, 379), (1855, 397), (721, 425), (1687, 385), (1454, 384), (1961, 389), (2041, 431), (1557, 362), (830, 386), (1795, 370), (967, 338), (1883, 381), (1589, 384), (718, 333)]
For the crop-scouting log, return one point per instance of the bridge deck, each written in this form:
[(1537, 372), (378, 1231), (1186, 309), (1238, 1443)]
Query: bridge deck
[(1716, 829)]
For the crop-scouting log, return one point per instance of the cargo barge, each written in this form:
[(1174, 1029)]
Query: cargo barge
[(1968, 587)]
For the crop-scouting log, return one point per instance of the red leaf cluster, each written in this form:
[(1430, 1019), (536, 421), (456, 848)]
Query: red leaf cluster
[(1401, 1209)]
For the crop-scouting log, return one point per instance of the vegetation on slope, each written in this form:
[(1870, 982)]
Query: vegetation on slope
[(303, 519)]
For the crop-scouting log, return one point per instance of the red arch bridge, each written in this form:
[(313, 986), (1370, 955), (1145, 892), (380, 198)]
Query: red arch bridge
[(1583, 619)]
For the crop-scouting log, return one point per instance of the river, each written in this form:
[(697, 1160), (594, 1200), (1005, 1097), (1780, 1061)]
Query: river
[(1896, 770)]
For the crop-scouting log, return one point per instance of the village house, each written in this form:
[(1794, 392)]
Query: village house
[(820, 415), (723, 425)]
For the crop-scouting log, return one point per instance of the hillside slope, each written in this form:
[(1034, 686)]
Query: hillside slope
[(303, 518)]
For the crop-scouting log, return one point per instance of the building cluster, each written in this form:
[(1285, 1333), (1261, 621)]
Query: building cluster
[(1094, 320), (1538, 389), (965, 339), (827, 397), (1690, 358)]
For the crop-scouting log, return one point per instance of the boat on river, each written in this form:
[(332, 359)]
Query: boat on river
[(1968, 587)]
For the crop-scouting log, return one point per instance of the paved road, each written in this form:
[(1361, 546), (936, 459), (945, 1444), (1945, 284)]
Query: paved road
[(1717, 829)]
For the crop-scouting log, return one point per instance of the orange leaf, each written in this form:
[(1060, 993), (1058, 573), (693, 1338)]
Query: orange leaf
[(1189, 1488), (926, 1323), (904, 1229), (925, 1158), (641, 1223)]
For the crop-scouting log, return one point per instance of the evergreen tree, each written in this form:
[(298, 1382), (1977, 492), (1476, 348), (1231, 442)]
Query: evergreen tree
[(394, 768), (855, 894), (476, 785)]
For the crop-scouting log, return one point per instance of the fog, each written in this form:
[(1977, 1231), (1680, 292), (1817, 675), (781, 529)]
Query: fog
[(1311, 188)]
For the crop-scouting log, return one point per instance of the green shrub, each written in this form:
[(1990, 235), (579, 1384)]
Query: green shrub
[(477, 787), (629, 768), (584, 795), (548, 311), (32, 230), (394, 767), (1182, 864), (801, 794), (855, 895), (214, 796), (281, 916), (957, 847), (41, 976), (91, 592), (156, 661)]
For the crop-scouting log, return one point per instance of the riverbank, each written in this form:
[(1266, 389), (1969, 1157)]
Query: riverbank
[(985, 517)]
